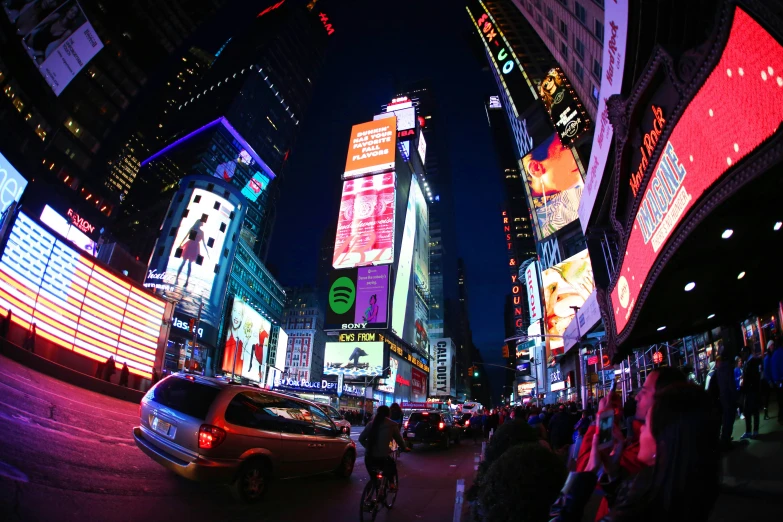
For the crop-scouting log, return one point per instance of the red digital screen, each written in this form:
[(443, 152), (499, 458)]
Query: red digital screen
[(738, 107), (75, 303)]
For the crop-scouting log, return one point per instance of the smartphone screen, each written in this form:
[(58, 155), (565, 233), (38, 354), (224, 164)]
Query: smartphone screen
[(605, 424)]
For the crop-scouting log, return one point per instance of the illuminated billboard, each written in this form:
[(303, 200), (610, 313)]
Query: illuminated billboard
[(422, 148), (387, 385), (365, 226), (62, 226), (564, 108), (715, 132), (566, 284), (354, 359), (56, 36), (404, 268), (421, 265), (255, 186), (278, 368), (12, 184), (194, 252), (371, 148), (554, 185), (440, 376), (74, 302), (358, 298), (533, 292), (247, 342)]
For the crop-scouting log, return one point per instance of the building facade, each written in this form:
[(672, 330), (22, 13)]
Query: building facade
[(303, 320)]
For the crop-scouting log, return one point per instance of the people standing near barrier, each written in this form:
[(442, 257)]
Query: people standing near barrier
[(751, 392), (124, 374), (5, 325), (110, 369)]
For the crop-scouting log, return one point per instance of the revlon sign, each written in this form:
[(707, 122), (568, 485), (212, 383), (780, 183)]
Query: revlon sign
[(533, 292)]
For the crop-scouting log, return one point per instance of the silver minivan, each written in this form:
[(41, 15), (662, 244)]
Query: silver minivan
[(207, 429)]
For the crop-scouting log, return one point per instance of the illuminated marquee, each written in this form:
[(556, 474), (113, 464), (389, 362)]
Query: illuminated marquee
[(80, 223), (716, 131), (75, 303), (516, 285), (325, 20)]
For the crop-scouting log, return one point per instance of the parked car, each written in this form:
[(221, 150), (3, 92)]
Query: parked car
[(337, 417), (431, 427), (207, 429)]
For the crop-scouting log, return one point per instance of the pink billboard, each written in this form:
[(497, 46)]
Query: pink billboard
[(365, 226)]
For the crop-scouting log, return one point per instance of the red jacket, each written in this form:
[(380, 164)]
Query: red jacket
[(629, 460)]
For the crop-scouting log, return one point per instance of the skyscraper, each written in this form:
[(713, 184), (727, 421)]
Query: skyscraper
[(303, 320), (260, 87)]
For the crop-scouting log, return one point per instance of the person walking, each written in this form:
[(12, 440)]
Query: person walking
[(767, 382), (109, 370), (738, 385), (751, 392), (124, 374), (776, 373)]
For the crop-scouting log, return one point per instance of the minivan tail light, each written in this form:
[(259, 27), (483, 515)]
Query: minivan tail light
[(467, 423), (406, 424), (210, 437), (441, 425)]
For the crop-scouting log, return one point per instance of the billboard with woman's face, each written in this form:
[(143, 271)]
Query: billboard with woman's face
[(554, 185), (247, 342)]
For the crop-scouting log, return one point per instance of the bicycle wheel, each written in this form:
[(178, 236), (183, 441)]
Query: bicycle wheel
[(368, 505), (391, 492)]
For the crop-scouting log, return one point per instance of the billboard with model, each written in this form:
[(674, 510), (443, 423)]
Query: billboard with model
[(354, 359), (365, 225), (564, 108), (358, 298), (566, 284), (554, 185), (56, 35), (247, 342)]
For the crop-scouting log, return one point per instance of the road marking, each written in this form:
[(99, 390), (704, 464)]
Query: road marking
[(458, 500)]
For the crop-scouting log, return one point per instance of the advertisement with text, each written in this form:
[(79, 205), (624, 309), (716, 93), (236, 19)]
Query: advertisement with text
[(554, 185), (372, 147), (418, 385), (404, 268), (566, 111), (354, 359), (566, 284), (12, 184), (358, 298), (247, 342), (56, 35), (440, 372), (365, 226), (387, 385)]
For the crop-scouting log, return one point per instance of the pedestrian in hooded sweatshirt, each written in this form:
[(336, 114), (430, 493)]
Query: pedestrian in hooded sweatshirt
[(109, 370), (124, 374)]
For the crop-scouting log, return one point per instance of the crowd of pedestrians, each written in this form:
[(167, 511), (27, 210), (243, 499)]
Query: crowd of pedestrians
[(663, 458)]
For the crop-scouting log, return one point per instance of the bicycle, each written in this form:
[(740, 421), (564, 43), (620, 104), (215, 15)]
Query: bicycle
[(395, 450), (377, 493)]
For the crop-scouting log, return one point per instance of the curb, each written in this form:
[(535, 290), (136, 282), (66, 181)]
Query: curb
[(65, 374)]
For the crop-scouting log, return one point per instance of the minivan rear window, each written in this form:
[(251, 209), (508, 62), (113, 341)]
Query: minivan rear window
[(185, 396), (422, 417)]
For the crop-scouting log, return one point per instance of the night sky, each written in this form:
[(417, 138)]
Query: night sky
[(377, 45)]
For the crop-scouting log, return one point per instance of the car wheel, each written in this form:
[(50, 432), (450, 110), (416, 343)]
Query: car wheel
[(252, 481), (345, 468)]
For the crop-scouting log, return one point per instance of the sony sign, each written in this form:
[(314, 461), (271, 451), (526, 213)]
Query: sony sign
[(354, 326), (440, 374), (12, 184)]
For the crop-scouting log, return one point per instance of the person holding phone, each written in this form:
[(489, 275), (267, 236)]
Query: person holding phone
[(679, 451)]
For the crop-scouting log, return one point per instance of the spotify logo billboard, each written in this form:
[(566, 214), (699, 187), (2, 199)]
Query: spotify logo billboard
[(358, 298)]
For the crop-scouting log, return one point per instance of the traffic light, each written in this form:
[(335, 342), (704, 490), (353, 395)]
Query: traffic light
[(475, 372)]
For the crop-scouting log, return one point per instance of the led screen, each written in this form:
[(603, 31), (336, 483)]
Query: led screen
[(255, 186), (195, 254), (421, 266), (354, 359), (365, 226), (716, 131), (12, 184), (358, 297), (247, 342), (440, 376), (387, 385), (418, 385), (422, 148), (565, 110), (64, 227), (276, 373), (56, 35), (403, 280), (372, 147), (75, 303), (554, 185), (565, 284)]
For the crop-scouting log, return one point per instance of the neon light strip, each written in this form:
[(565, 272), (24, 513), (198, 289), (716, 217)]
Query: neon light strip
[(222, 120), (75, 303)]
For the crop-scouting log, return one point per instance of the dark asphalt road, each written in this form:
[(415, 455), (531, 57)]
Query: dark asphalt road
[(68, 454)]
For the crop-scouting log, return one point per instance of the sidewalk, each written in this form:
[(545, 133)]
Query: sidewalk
[(753, 467)]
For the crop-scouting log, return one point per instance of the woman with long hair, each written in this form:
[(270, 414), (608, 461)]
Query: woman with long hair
[(681, 478)]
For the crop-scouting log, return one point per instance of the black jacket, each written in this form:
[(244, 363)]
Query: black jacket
[(625, 497)]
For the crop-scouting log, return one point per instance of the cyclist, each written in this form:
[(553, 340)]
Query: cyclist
[(375, 438)]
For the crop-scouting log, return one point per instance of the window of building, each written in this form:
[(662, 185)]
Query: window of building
[(599, 2), (599, 30), (550, 15), (563, 28), (579, 47), (563, 2), (564, 50), (579, 70), (539, 20), (579, 11), (596, 69), (594, 94), (550, 33)]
